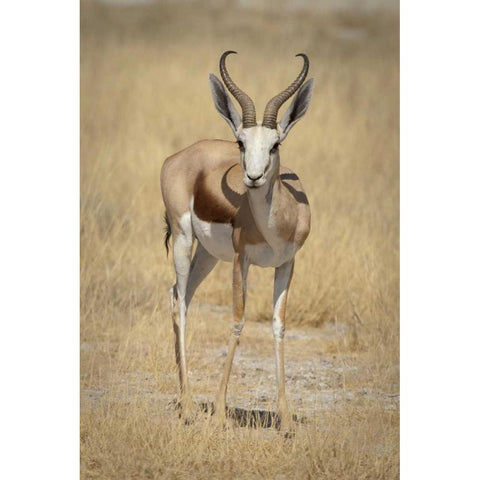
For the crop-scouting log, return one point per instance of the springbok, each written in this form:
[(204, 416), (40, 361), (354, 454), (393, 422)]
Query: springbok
[(242, 207)]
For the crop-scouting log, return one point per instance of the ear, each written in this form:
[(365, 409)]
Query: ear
[(224, 104), (297, 109)]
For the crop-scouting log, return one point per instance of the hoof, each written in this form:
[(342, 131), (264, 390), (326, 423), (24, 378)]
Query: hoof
[(219, 416), (286, 424), (188, 420), (186, 411)]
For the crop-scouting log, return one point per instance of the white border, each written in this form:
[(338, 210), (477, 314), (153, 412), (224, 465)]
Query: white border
[(440, 239), (39, 201), (440, 265)]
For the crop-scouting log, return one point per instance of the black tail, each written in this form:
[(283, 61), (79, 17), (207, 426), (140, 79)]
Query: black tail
[(168, 232)]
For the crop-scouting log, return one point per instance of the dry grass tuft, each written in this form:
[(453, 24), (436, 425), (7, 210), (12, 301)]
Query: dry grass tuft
[(144, 96)]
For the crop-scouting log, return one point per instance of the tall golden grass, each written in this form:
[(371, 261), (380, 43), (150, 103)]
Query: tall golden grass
[(144, 96)]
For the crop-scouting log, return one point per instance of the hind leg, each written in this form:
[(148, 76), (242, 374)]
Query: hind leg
[(202, 264), (181, 294), (182, 251)]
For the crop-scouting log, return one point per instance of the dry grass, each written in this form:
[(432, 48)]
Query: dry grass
[(144, 96)]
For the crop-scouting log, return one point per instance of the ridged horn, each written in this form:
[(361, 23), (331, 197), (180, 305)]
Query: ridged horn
[(273, 106), (248, 107)]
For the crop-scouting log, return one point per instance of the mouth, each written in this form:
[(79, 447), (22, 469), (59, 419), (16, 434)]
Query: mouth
[(253, 185)]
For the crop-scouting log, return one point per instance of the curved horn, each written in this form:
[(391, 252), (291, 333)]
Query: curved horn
[(273, 106), (248, 108)]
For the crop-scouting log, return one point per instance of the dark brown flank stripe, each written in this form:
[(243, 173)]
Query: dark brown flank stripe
[(209, 207)]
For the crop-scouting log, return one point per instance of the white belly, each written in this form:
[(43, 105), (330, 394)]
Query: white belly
[(216, 238), (265, 256)]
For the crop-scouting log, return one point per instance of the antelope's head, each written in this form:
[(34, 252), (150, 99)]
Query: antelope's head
[(259, 144)]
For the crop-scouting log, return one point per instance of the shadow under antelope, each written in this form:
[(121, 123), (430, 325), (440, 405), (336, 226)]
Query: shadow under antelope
[(241, 206)]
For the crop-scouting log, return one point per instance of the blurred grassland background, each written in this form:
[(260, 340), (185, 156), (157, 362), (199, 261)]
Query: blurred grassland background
[(144, 96)]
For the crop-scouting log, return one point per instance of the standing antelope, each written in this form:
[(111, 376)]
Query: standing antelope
[(242, 207)]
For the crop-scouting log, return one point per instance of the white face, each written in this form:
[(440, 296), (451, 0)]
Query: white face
[(259, 154)]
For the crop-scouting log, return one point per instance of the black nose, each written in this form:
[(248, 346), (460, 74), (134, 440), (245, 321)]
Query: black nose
[(253, 178)]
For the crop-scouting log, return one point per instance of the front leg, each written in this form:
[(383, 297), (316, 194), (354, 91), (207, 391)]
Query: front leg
[(240, 270), (283, 275)]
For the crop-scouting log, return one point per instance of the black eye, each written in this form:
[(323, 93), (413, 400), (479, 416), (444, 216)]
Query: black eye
[(275, 148), (241, 146)]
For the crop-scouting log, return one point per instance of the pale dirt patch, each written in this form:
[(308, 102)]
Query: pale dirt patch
[(316, 379)]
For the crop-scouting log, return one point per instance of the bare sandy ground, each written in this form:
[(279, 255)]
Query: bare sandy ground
[(319, 376)]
